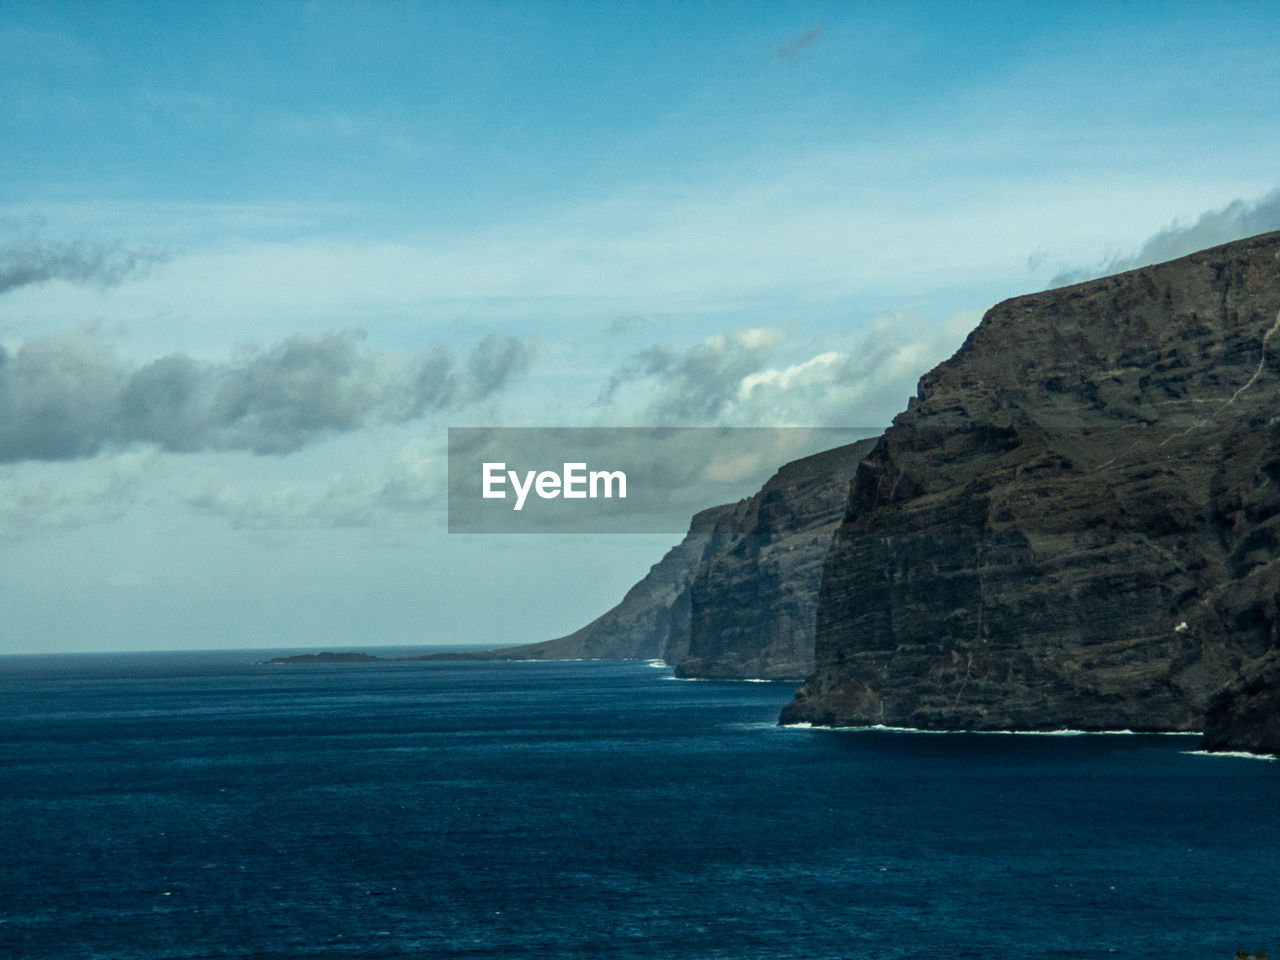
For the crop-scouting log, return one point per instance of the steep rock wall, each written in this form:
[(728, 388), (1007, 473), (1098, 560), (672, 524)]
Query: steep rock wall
[(1076, 523), (1246, 715), (753, 602)]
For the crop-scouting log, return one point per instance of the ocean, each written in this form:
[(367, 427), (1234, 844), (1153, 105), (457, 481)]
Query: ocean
[(200, 805)]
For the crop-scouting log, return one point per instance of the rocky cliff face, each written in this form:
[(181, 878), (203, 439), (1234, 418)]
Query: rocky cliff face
[(1246, 715), (653, 614), (737, 597), (1076, 523), (753, 601)]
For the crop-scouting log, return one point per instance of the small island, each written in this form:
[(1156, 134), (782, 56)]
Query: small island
[(324, 657)]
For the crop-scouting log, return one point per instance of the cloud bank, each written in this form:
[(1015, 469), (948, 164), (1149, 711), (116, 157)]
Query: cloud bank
[(1235, 221), (756, 377), (33, 261), (66, 396), (33, 500)]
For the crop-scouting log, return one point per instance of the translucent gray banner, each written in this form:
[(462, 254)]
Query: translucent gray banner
[(615, 480)]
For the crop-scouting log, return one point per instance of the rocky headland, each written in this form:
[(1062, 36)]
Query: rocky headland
[(738, 596), (1076, 522), (650, 622), (753, 600)]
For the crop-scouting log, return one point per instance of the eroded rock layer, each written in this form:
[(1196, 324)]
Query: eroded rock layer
[(1076, 523), (754, 600)]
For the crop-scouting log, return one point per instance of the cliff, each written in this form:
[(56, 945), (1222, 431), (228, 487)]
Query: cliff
[(1246, 715), (753, 601), (735, 599), (1075, 522), (641, 626)]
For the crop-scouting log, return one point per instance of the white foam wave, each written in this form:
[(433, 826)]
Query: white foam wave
[(1239, 754), (731, 680), (1063, 732)]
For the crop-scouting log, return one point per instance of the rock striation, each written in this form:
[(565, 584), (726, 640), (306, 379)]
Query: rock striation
[(1076, 522), (753, 600)]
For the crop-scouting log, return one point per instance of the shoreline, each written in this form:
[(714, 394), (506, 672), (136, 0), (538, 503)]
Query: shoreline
[(1061, 732)]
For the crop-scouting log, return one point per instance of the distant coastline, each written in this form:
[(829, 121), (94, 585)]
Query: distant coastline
[(351, 656)]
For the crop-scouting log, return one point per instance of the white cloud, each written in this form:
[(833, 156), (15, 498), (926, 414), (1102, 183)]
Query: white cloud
[(799, 235), (415, 480), (864, 381), (694, 386), (33, 261), (66, 396), (811, 370), (1235, 221), (338, 501), (861, 379), (394, 484), (39, 498)]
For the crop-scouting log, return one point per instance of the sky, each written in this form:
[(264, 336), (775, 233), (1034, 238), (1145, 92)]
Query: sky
[(257, 258)]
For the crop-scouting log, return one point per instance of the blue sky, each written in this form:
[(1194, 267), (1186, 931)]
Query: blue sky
[(255, 258)]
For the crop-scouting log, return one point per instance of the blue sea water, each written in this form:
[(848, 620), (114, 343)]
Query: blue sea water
[(202, 806)]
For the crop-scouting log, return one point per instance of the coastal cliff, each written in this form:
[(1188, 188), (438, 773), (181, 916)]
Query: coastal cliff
[(1246, 715), (753, 601), (736, 599), (1076, 522), (650, 622)]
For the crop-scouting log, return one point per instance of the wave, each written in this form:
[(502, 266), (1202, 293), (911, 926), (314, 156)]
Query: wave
[(731, 680), (1062, 732), (1239, 754)]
